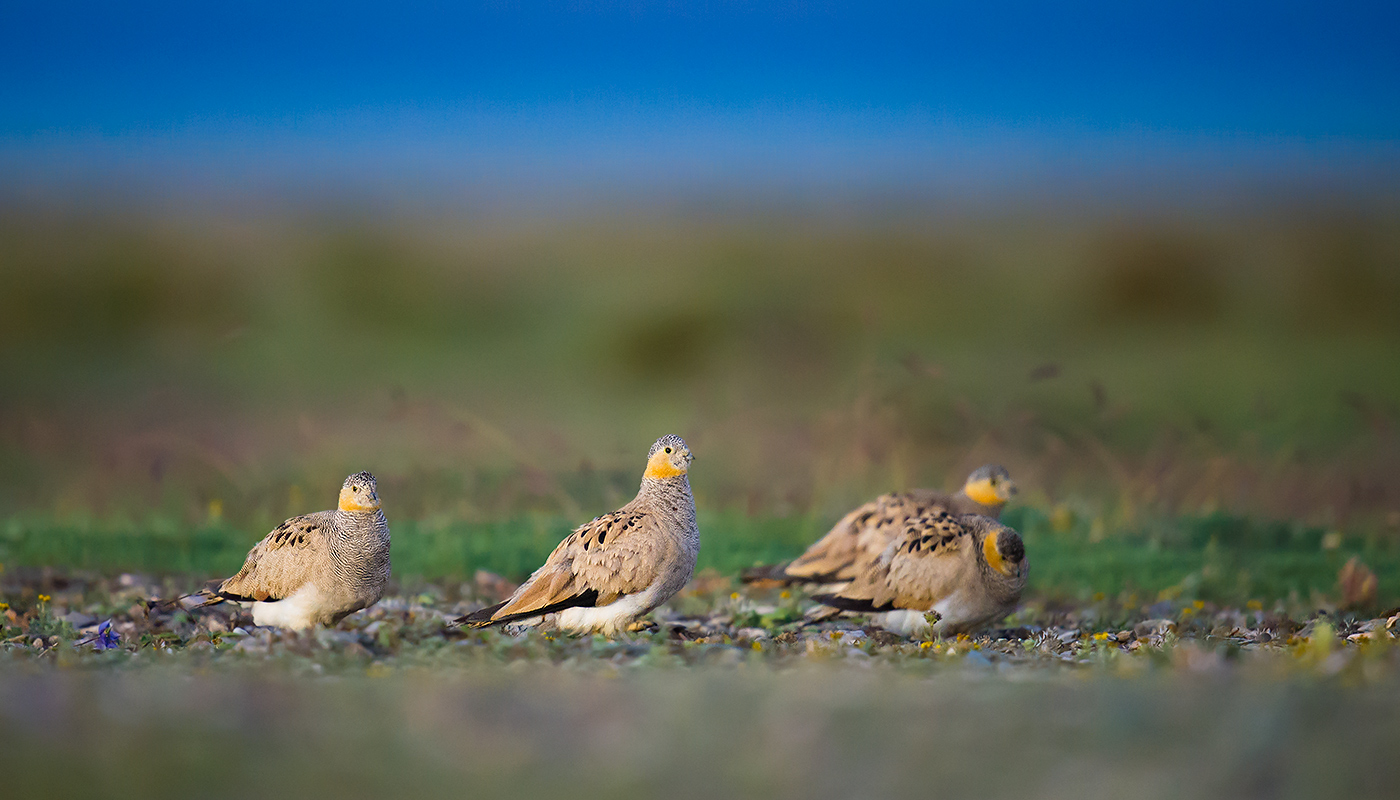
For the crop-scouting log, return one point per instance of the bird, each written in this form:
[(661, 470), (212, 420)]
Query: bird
[(316, 569), (859, 537), (944, 574), (611, 571)]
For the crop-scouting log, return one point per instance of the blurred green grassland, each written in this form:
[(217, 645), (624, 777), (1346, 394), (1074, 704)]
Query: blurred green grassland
[(1220, 558), (1144, 376)]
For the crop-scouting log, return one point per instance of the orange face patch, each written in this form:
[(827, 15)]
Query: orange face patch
[(350, 503), (993, 555), (660, 467), (982, 492)]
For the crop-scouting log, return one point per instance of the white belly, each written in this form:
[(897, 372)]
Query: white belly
[(608, 620), (952, 611), (902, 622), (296, 612)]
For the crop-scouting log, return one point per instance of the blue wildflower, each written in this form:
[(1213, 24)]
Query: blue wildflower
[(106, 638)]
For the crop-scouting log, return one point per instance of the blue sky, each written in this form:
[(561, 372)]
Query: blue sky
[(553, 92)]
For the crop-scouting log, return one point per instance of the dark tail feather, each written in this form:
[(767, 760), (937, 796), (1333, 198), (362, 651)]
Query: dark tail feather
[(481, 617), (207, 597), (766, 572), (848, 603)]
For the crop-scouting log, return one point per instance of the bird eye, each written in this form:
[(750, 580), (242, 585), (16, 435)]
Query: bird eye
[(354, 488), (668, 449)]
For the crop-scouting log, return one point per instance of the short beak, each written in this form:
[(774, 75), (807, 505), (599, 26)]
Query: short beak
[(1011, 488), (689, 456)]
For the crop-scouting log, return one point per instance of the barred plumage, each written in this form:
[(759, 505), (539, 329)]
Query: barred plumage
[(611, 571), (317, 568), (862, 535), (967, 570)]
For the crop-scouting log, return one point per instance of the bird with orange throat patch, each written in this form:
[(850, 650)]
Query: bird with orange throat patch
[(944, 574), (318, 568), (863, 534), (610, 572)]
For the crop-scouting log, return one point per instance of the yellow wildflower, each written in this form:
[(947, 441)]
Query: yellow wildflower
[(43, 598), (733, 595), (925, 645), (1198, 605), (1101, 636), (785, 594), (758, 645), (4, 606)]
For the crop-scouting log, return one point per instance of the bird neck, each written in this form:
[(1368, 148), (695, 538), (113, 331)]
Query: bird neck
[(673, 493), (977, 504), (674, 486), (361, 525)]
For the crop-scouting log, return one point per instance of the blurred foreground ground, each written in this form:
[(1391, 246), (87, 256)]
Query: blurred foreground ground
[(824, 732), (733, 696)]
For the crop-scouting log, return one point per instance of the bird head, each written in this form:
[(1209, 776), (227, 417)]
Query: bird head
[(669, 458), (1003, 549), (990, 485), (359, 495)]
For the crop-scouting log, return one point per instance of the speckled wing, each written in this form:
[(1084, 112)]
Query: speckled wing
[(283, 561), (924, 565), (861, 536), (616, 554)]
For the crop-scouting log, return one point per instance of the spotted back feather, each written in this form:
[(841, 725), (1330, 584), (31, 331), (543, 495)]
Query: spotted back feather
[(937, 556)]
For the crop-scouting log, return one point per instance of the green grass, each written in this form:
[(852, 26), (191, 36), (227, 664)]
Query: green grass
[(1218, 557), (432, 549)]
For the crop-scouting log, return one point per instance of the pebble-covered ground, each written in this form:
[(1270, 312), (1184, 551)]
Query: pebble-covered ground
[(77, 619)]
